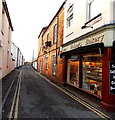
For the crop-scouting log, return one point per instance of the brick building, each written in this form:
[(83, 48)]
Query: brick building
[(49, 41)]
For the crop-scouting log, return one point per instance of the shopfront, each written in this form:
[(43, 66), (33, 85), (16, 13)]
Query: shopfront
[(87, 66), (84, 70)]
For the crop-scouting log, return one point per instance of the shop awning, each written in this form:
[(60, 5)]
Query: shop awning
[(97, 46)]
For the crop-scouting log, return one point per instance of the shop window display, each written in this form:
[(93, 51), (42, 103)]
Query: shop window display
[(92, 73), (73, 71)]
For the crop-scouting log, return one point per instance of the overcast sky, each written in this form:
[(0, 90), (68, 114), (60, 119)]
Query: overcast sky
[(28, 18)]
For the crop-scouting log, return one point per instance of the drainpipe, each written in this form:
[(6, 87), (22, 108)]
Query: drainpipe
[(57, 39)]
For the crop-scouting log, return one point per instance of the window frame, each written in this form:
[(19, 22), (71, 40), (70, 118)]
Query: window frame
[(69, 16), (55, 33), (54, 64), (89, 15), (46, 62)]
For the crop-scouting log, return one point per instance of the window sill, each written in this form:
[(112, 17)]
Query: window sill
[(86, 91), (93, 18)]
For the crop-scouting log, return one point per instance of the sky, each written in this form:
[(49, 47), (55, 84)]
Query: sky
[(28, 18)]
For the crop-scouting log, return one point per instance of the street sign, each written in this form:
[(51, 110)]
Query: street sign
[(112, 76)]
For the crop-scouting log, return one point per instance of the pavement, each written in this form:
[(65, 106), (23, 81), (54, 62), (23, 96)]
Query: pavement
[(40, 99)]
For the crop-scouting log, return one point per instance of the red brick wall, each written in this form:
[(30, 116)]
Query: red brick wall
[(52, 49)]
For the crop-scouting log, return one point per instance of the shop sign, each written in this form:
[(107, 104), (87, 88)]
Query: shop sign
[(84, 42), (112, 76)]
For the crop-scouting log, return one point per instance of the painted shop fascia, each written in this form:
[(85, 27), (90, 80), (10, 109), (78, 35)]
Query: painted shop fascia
[(103, 34)]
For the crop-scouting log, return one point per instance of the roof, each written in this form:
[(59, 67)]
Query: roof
[(7, 13), (43, 29), (53, 18)]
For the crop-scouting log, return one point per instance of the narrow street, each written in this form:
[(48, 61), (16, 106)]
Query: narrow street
[(38, 98)]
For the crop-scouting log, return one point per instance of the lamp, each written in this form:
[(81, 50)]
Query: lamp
[(83, 27)]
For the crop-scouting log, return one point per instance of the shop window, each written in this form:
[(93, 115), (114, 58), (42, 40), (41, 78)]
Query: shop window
[(54, 64), (92, 73), (73, 71)]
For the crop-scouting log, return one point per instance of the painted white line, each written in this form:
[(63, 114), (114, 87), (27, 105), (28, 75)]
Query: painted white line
[(17, 100), (101, 114)]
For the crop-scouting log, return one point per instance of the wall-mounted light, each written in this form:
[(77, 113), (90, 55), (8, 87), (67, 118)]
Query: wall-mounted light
[(85, 26)]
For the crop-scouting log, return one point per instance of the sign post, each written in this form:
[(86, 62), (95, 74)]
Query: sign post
[(112, 76)]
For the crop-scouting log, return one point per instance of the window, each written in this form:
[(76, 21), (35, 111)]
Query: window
[(46, 62), (70, 16), (54, 64), (55, 34), (92, 73), (93, 8), (48, 37), (73, 71)]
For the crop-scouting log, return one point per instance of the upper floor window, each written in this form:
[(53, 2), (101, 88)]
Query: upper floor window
[(55, 34), (93, 8), (48, 37), (70, 16)]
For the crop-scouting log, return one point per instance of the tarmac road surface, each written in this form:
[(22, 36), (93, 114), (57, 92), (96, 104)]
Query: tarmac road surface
[(32, 96), (39, 99)]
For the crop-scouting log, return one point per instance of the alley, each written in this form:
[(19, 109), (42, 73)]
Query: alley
[(37, 98)]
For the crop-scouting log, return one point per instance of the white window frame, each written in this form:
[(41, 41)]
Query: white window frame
[(54, 64), (70, 16), (89, 17), (55, 34), (48, 36), (46, 62)]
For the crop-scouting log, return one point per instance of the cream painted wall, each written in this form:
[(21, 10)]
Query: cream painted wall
[(105, 7), (6, 53)]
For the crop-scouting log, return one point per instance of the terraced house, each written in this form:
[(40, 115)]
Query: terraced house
[(8, 51), (50, 39)]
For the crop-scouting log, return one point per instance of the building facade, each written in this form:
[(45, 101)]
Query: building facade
[(50, 39), (7, 50), (17, 56), (88, 52), (6, 32)]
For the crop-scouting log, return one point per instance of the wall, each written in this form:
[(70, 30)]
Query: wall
[(80, 17), (0, 38), (54, 49), (6, 55)]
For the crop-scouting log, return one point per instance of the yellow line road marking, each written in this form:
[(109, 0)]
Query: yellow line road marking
[(101, 114), (13, 103), (6, 96), (17, 100)]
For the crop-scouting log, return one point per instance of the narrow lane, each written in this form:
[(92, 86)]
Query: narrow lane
[(39, 99)]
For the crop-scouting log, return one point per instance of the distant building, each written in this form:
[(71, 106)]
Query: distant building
[(50, 40)]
